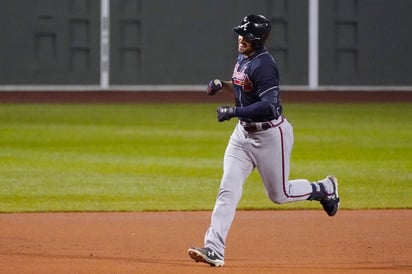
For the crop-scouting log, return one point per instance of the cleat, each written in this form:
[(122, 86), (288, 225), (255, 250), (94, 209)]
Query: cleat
[(205, 255), (331, 201)]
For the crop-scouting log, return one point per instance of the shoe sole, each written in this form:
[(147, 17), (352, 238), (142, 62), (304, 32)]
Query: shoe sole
[(197, 256)]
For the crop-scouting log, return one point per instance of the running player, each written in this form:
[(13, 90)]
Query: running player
[(262, 139)]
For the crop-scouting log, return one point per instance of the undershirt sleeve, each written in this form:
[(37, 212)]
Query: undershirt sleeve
[(256, 110)]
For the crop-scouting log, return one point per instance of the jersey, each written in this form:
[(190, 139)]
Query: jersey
[(256, 79)]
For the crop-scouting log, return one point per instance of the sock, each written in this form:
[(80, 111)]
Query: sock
[(318, 192)]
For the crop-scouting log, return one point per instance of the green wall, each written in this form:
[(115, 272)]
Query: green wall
[(362, 42)]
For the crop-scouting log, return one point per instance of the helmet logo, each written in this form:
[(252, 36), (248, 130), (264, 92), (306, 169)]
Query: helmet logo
[(244, 26)]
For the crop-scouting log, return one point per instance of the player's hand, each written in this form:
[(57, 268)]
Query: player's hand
[(225, 113), (214, 86)]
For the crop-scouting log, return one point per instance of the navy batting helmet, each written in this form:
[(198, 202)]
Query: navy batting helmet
[(255, 28)]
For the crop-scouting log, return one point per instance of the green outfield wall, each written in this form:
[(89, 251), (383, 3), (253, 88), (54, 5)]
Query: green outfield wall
[(187, 42)]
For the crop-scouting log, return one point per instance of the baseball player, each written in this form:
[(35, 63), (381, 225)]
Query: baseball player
[(262, 139)]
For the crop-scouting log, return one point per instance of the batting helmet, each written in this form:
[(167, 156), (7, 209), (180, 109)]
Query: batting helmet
[(255, 28)]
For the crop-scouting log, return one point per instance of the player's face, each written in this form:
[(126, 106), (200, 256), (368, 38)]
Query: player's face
[(244, 46)]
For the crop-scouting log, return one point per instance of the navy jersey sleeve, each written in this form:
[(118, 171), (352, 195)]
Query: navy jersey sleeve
[(266, 79)]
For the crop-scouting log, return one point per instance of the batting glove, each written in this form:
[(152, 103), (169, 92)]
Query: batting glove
[(214, 86), (225, 113)]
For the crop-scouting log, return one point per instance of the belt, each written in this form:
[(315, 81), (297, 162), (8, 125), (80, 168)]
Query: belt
[(261, 126)]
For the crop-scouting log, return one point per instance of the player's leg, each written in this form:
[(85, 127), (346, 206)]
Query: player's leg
[(237, 167), (272, 158)]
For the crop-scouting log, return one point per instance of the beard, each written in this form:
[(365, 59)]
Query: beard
[(247, 51)]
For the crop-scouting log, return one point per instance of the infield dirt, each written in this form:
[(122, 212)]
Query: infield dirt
[(279, 241)]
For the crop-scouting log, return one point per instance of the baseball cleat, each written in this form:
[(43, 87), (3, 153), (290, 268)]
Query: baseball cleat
[(331, 201), (205, 255)]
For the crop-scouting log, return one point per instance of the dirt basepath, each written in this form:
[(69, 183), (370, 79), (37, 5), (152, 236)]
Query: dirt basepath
[(296, 241)]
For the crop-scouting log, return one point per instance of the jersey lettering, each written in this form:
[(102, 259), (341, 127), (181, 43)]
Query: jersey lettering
[(240, 78)]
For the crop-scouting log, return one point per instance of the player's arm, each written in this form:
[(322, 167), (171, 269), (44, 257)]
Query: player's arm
[(260, 110), (266, 108), (218, 85)]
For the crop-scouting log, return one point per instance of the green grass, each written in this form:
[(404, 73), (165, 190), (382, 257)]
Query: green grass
[(169, 156)]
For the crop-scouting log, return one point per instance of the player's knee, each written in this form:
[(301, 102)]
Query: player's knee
[(277, 199)]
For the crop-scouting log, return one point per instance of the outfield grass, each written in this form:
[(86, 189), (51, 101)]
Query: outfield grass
[(169, 156)]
